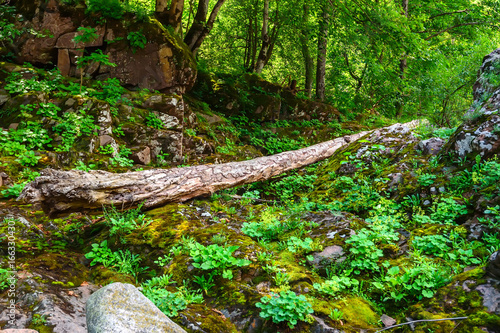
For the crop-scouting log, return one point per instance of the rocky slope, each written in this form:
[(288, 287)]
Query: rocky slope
[(395, 227)]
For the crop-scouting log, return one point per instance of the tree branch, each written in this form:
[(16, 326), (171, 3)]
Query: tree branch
[(450, 13), (453, 27)]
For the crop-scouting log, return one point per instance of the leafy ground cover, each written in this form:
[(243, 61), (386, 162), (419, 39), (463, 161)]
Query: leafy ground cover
[(257, 248)]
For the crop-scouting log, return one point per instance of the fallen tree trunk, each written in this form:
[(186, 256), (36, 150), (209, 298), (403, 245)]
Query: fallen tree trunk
[(64, 191)]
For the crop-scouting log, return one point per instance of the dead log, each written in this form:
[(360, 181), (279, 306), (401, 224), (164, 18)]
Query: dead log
[(65, 191)]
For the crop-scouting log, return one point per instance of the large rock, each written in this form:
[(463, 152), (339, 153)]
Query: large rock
[(486, 88), (165, 63), (121, 308), (480, 134)]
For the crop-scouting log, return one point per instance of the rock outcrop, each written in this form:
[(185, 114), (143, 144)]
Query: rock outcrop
[(121, 308), (480, 134), (164, 63)]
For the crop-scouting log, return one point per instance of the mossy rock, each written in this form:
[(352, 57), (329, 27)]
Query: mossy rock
[(200, 317), (463, 297), (358, 314)]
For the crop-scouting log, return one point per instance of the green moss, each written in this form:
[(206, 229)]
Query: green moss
[(104, 276), (208, 319), (358, 314)]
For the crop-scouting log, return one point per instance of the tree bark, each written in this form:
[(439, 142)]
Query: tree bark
[(175, 14), (306, 53), (402, 65), (261, 59), (65, 191), (322, 45), (201, 26), (171, 15)]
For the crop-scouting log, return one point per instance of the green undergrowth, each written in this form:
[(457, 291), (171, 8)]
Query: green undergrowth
[(400, 246)]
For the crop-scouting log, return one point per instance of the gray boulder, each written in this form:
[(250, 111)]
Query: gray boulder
[(431, 146), (121, 308)]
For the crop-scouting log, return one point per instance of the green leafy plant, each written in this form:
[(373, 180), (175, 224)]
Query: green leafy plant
[(79, 165), (170, 303), (206, 282), (426, 179), (163, 261), (289, 186), (85, 35), (335, 285), (153, 121), (29, 158), (295, 244), (121, 261), (217, 258), (121, 158), (281, 278), (447, 210), (97, 57), (71, 126), (122, 223), (107, 8), (413, 283), (336, 315), (5, 278), (285, 307), (137, 40)]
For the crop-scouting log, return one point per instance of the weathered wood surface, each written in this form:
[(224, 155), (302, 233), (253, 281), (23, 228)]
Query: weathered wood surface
[(64, 191)]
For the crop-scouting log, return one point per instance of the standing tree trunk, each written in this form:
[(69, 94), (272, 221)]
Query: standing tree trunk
[(402, 62), (306, 53), (322, 46), (175, 14), (402, 66), (268, 39), (261, 60), (170, 15), (201, 26)]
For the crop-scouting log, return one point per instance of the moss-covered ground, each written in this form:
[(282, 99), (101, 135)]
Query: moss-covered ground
[(412, 230)]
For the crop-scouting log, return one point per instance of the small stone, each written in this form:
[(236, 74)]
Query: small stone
[(70, 102), (21, 330), (105, 140), (14, 126), (263, 287), (395, 179), (387, 321), (431, 146), (143, 156), (328, 255)]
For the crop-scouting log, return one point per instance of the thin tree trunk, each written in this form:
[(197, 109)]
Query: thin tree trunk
[(402, 62), (261, 60), (161, 6), (322, 45), (306, 53), (175, 14), (402, 65), (201, 27)]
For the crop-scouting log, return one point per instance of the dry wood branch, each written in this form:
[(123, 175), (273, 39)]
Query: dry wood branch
[(64, 191)]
